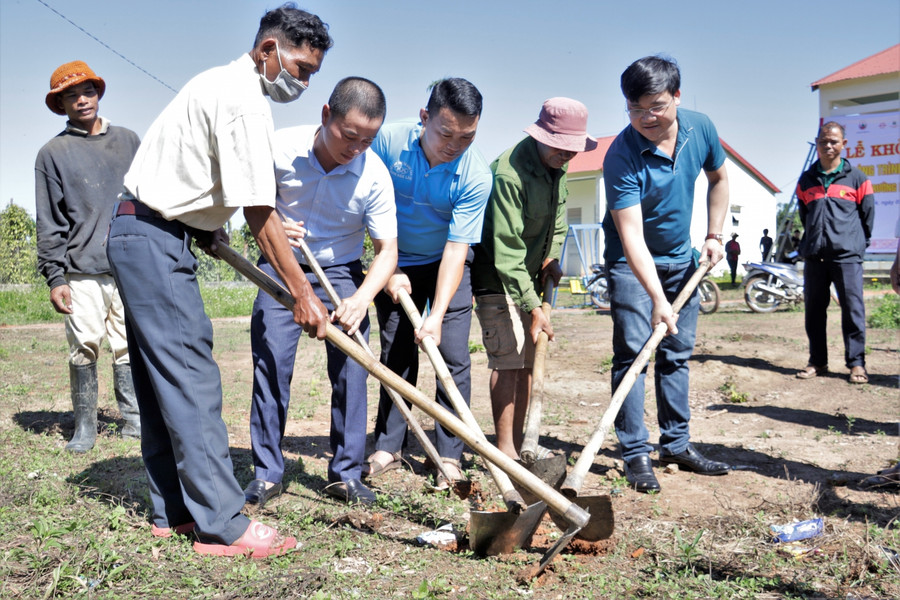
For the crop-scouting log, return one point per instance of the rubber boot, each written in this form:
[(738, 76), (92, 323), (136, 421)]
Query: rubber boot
[(83, 381), (124, 387)]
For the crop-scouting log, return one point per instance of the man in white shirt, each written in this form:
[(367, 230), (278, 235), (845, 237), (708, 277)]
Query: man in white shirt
[(208, 154), (331, 189)]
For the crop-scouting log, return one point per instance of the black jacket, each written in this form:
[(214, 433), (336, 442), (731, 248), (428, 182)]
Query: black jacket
[(838, 222)]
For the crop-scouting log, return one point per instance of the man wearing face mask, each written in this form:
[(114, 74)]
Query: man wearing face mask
[(208, 154)]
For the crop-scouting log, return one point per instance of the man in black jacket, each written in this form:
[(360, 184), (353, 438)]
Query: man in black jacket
[(837, 208)]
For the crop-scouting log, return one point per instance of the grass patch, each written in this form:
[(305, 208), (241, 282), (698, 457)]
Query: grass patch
[(885, 313), (24, 304), (28, 304)]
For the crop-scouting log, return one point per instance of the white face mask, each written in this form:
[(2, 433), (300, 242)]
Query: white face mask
[(286, 87)]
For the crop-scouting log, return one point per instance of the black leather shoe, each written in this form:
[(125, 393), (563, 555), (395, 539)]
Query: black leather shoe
[(639, 473), (256, 492), (352, 491), (692, 460)]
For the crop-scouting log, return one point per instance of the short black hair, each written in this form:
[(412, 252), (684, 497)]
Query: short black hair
[(650, 75), (359, 93), (457, 94), (294, 26)]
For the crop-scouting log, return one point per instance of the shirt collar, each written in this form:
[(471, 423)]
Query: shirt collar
[(75, 130), (355, 166), (684, 128)]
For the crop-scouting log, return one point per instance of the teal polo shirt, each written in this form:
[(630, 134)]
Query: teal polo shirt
[(434, 205), (635, 171)]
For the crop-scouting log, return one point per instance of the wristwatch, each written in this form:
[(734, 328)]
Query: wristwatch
[(714, 236)]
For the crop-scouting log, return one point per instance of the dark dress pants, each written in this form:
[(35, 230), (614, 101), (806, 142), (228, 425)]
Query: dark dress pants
[(818, 275), (184, 441), (401, 355), (274, 336)]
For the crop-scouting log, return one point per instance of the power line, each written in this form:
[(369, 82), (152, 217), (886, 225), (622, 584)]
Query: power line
[(107, 46)]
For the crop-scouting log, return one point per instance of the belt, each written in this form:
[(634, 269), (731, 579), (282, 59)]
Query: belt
[(138, 209)]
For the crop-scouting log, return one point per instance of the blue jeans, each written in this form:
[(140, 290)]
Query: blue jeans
[(273, 337), (631, 310)]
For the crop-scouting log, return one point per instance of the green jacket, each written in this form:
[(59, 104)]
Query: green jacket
[(524, 224)]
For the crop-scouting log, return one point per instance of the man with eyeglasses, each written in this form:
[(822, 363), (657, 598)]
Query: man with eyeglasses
[(649, 173), (836, 203)]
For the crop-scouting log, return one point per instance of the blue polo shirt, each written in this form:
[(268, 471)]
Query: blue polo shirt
[(434, 205), (635, 171)]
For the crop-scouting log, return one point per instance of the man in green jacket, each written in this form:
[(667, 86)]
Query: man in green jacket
[(524, 228)]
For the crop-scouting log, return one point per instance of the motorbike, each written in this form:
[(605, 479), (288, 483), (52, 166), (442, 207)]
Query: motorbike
[(599, 292), (770, 285)]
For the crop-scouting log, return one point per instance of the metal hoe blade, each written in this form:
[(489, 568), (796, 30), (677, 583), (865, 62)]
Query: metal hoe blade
[(493, 533), (602, 523), (551, 471)]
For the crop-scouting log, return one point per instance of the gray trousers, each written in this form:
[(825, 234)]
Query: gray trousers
[(184, 440)]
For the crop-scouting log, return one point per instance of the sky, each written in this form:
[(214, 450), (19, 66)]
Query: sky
[(748, 65)]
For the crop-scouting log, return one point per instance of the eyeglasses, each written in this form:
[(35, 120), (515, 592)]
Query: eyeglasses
[(655, 111)]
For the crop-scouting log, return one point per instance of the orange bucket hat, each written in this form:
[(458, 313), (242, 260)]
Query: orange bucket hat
[(68, 75)]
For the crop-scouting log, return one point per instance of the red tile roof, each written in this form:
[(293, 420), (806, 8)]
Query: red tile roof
[(586, 162), (886, 61)]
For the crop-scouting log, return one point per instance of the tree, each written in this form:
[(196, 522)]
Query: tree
[(18, 246)]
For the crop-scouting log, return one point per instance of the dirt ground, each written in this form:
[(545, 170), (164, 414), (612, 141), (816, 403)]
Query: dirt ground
[(799, 448), (823, 433)]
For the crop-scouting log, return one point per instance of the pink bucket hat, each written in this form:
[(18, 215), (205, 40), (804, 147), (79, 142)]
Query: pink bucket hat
[(562, 124)]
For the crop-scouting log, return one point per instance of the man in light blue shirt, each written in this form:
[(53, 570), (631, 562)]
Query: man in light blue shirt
[(649, 173), (441, 186), (331, 189)]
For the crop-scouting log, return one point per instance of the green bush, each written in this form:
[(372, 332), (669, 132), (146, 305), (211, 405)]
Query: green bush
[(18, 246), (886, 313)]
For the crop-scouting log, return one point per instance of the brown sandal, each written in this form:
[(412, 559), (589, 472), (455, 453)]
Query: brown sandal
[(811, 371), (374, 468), (858, 375)]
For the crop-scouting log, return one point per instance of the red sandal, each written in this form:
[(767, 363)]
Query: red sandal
[(259, 541)]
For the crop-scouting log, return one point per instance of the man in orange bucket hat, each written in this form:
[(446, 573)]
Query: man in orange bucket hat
[(78, 175)]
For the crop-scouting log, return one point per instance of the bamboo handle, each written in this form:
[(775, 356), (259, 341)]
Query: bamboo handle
[(528, 452), (572, 513), (575, 479), (514, 501)]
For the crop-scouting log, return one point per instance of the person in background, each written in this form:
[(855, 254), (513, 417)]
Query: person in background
[(732, 254), (441, 188), (649, 257), (78, 176), (331, 189), (207, 154), (524, 229), (836, 204), (765, 245)]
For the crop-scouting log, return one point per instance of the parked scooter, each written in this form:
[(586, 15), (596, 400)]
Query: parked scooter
[(769, 285), (596, 286)]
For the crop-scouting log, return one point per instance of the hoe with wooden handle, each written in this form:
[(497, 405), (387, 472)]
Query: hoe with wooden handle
[(461, 488), (490, 532), (574, 515), (600, 529)]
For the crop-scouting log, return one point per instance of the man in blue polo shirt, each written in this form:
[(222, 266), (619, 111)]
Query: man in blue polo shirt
[(441, 187), (649, 173)]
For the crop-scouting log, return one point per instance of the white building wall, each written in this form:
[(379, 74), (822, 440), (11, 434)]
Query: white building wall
[(752, 209)]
